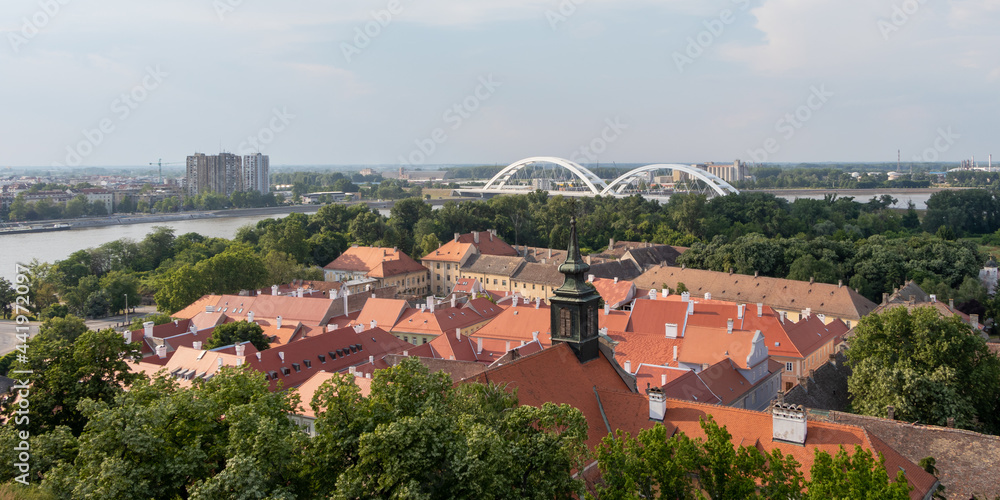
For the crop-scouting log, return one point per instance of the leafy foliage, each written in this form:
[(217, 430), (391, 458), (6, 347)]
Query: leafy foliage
[(237, 332)]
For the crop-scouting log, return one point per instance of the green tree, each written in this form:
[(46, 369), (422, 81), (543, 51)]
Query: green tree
[(7, 298), (179, 288), (652, 465), (238, 268), (367, 228), (854, 476), (237, 332), (429, 244), (115, 285), (927, 367), (808, 267)]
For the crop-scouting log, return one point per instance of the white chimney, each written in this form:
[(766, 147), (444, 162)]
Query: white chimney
[(218, 362), (196, 346), (147, 329), (690, 308), (430, 304), (301, 292), (281, 354), (176, 322), (671, 329), (686, 296), (331, 327), (209, 309), (453, 301), (760, 309), (406, 353), (161, 351), (933, 298), (538, 302), (652, 295), (279, 322), (708, 295), (456, 236), (739, 311), (359, 328), (258, 355), (514, 301), (616, 280), (458, 334), (127, 335), (657, 404), (788, 423), (783, 315), (607, 309), (628, 366), (675, 353), (241, 350), (475, 236), (729, 326), (371, 359), (250, 316), (590, 278), (372, 324), (534, 336), (664, 292), (506, 346), (663, 379), (479, 345), (274, 289), (822, 317)]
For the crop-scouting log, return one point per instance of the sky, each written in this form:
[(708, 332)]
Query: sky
[(431, 82)]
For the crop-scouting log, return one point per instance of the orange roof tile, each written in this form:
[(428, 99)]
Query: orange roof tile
[(615, 292), (362, 259), (453, 251), (401, 265), (517, 324), (488, 243), (385, 312)]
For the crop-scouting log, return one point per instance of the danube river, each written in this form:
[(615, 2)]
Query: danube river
[(53, 246)]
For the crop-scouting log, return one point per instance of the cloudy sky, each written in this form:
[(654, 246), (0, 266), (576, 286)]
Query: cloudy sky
[(492, 81)]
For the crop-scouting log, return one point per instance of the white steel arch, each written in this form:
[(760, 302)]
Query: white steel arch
[(713, 181), (593, 182)]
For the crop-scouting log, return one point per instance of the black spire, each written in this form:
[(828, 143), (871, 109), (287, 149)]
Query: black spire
[(575, 268)]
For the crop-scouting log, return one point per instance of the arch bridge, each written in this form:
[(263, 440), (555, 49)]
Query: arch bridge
[(577, 180)]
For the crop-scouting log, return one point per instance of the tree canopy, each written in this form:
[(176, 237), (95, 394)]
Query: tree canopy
[(236, 332)]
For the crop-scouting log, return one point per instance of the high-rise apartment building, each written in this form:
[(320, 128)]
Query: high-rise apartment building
[(256, 173), (220, 173)]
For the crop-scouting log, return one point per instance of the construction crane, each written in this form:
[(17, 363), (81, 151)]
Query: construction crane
[(160, 164)]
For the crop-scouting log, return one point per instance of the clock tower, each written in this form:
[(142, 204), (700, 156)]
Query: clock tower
[(575, 304)]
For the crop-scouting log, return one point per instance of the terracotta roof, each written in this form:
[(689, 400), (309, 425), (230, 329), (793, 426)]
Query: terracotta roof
[(616, 249), (484, 307), (488, 244), (451, 251), (615, 320), (308, 389), (555, 375), (654, 255), (792, 295), (516, 324), (458, 370), (538, 254), (466, 285), (309, 287), (615, 292), (402, 265), (691, 387), (902, 298), (362, 259), (657, 375), (965, 460), (545, 274), (493, 264), (442, 320), (307, 310), (385, 312)]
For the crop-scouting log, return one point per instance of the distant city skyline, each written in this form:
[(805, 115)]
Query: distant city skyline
[(399, 82)]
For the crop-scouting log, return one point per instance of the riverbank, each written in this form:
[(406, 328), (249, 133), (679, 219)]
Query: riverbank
[(129, 219), (853, 192)]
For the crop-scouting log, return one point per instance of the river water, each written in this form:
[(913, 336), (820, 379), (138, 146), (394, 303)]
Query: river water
[(53, 246)]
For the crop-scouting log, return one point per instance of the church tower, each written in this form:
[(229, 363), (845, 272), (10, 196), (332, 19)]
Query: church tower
[(575, 305)]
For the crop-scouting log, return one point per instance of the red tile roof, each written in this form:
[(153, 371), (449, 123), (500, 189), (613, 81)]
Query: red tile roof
[(385, 312), (363, 259), (452, 251), (488, 243), (307, 310), (615, 292), (401, 265), (516, 324)]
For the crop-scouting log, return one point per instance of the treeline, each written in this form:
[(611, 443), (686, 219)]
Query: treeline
[(769, 177), (122, 435), (21, 210), (45, 209)]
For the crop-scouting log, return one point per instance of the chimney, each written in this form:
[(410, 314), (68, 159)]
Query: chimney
[(161, 351), (675, 353), (951, 304), (281, 354), (513, 301), (657, 404), (250, 316), (147, 329), (258, 355), (279, 322), (590, 278), (652, 295), (274, 289), (885, 298), (686, 296), (663, 379), (218, 362), (458, 334), (812, 280), (951, 422), (456, 236), (628, 366), (729, 326), (671, 330), (611, 244), (372, 324), (331, 327), (359, 328), (196, 346), (193, 329), (506, 346), (616, 280), (176, 322), (783, 316), (127, 335), (822, 317), (534, 336), (479, 345), (607, 309), (690, 308), (406, 353), (890, 412), (475, 236), (241, 350), (933, 298), (788, 423), (664, 292), (453, 298), (371, 359), (739, 311), (840, 283), (760, 309), (755, 274), (974, 320), (538, 302), (708, 295), (550, 254), (493, 232), (430, 303)]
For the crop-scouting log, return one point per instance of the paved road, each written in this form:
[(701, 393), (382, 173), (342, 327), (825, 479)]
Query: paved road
[(8, 338), (8, 334)]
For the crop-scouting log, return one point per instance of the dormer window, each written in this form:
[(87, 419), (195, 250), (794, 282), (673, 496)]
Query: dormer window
[(296, 367)]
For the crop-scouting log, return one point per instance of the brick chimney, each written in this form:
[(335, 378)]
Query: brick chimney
[(788, 423)]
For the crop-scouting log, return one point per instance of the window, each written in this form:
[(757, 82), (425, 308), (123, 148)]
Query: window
[(424, 342), (439, 265), (307, 363), (296, 367), (504, 283), (788, 366), (532, 286), (447, 266), (494, 281), (406, 338)]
